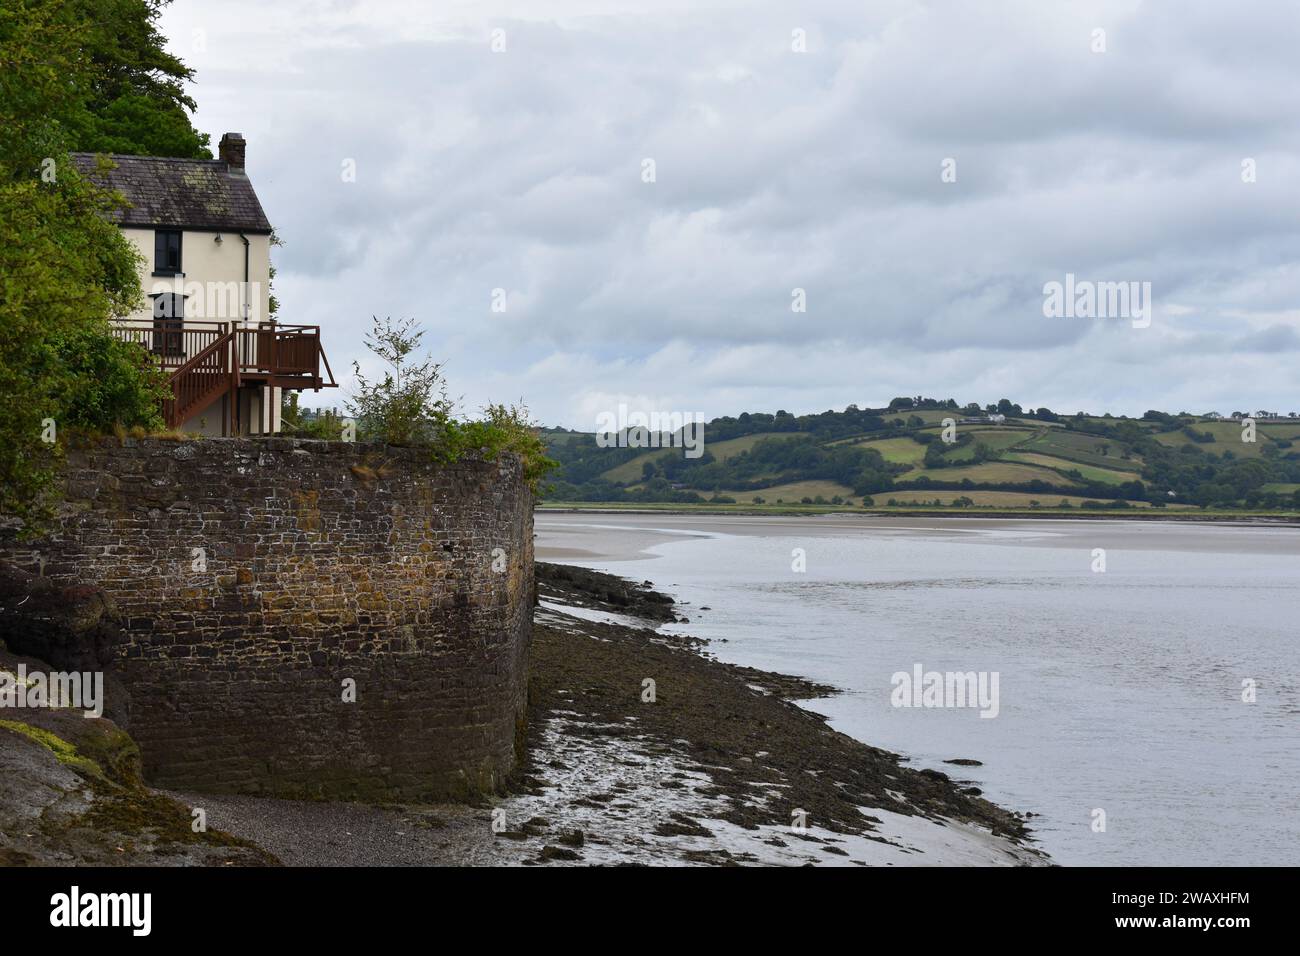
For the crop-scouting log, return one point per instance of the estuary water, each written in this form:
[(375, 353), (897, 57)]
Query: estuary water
[(1147, 706)]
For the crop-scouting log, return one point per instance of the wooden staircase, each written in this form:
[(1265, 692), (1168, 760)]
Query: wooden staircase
[(206, 361), (201, 380)]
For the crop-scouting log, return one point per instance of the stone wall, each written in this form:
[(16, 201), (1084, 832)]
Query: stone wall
[(258, 577)]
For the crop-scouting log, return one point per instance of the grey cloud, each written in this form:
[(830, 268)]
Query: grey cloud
[(778, 170)]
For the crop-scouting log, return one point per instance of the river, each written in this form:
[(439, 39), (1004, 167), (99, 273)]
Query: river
[(1147, 674)]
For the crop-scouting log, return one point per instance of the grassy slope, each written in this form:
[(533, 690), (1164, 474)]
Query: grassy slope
[(1091, 472), (1023, 450), (792, 492), (1227, 436), (896, 451), (989, 471), (1082, 448), (630, 471)]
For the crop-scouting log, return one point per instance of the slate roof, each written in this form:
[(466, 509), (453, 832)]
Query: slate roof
[(180, 193)]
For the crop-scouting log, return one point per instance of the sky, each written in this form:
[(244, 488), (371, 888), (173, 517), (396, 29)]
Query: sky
[(717, 207)]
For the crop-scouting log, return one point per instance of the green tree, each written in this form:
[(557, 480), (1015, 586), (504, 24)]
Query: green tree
[(65, 270), (409, 405), (137, 103)]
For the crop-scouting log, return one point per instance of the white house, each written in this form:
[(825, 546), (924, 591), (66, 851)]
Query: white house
[(205, 244)]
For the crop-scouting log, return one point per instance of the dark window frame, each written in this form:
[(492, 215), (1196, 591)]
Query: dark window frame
[(168, 326), (162, 256)]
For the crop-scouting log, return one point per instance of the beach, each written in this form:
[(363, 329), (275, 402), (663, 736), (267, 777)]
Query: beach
[(1146, 669)]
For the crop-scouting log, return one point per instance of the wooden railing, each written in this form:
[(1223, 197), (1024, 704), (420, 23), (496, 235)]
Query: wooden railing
[(172, 341), (280, 349), (208, 359), (269, 349), (201, 380)]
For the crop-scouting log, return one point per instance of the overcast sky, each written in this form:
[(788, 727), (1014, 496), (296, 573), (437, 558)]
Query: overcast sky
[(777, 170)]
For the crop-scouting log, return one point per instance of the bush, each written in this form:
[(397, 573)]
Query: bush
[(505, 428), (409, 406), (105, 384), (327, 426)]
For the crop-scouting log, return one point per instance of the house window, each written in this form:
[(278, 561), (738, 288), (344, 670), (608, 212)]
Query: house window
[(167, 252), (169, 324)]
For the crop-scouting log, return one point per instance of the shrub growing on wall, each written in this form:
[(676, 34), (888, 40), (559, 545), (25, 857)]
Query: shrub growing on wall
[(408, 405)]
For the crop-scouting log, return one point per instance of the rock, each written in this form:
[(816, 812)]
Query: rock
[(580, 585), (682, 825), (71, 795), (965, 762), (70, 627), (573, 838), (557, 853)]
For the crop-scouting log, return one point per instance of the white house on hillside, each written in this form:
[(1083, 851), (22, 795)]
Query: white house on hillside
[(206, 271)]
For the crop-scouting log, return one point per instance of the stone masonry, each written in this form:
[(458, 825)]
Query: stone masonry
[(258, 578)]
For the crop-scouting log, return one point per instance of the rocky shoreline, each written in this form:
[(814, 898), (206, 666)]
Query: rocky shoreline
[(641, 750), (721, 761)]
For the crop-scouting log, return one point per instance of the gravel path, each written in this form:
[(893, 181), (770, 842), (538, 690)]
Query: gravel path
[(307, 833)]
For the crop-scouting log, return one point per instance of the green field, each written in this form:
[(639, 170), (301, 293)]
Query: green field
[(1020, 451), (989, 471), (1081, 448), (630, 470), (897, 451), (790, 492), (1232, 442), (996, 439), (1089, 472), (1227, 437), (732, 447)]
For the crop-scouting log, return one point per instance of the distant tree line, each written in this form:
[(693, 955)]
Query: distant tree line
[(816, 447)]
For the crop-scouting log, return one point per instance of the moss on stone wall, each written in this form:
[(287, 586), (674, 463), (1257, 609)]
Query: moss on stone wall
[(255, 576)]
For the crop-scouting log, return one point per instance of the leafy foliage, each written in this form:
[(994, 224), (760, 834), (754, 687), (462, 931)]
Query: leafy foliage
[(327, 426), (65, 270), (409, 406)]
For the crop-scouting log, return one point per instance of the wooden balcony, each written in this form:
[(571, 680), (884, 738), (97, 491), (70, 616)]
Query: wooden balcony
[(287, 356), (209, 359)]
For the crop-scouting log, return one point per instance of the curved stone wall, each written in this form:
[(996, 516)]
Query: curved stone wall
[(308, 618)]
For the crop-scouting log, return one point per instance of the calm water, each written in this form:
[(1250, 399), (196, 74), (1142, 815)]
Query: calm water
[(1119, 690)]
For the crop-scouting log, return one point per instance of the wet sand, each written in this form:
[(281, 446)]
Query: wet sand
[(607, 537)]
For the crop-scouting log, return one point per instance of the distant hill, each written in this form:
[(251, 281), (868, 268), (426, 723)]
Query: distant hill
[(903, 455)]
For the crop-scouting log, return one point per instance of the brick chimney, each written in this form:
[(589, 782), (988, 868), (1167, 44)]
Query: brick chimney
[(231, 150)]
